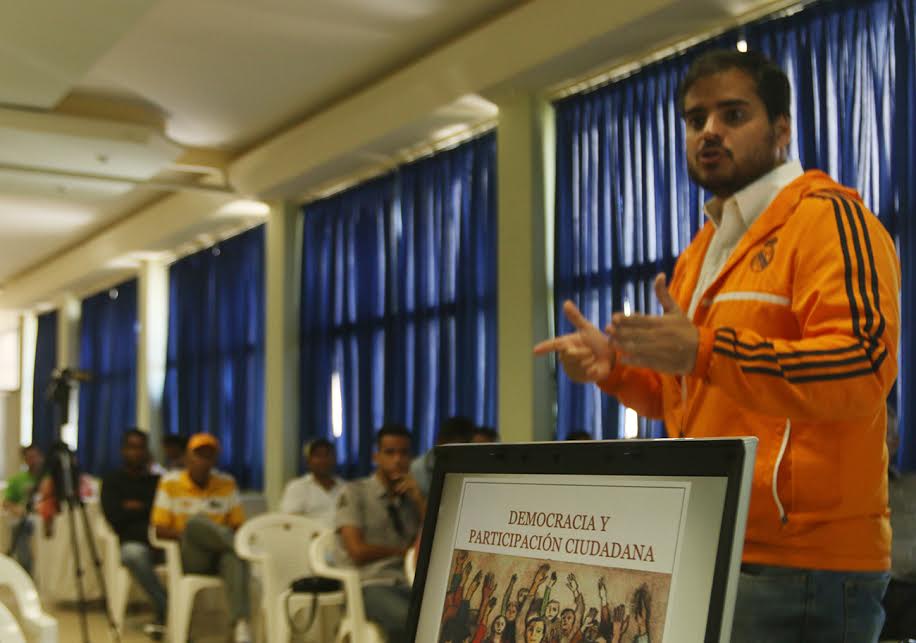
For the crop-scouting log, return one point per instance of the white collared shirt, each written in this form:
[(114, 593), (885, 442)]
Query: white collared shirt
[(305, 496), (738, 213)]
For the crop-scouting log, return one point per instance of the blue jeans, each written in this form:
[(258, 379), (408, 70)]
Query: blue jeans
[(808, 605), (387, 606), (138, 558)]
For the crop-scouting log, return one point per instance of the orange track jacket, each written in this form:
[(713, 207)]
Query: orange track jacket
[(798, 347)]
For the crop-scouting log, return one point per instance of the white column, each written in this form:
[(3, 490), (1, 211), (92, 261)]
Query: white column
[(153, 318), (525, 175), (68, 355), (28, 339), (281, 355)]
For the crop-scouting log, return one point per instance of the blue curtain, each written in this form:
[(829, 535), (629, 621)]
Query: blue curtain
[(626, 208), (108, 350), (214, 378), (43, 416), (399, 302)]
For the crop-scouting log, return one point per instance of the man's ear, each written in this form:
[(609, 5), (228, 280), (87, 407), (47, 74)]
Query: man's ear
[(783, 128)]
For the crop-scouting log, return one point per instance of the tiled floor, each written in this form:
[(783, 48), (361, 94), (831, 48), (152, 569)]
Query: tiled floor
[(207, 627)]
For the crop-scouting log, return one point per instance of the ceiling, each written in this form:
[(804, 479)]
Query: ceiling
[(108, 109)]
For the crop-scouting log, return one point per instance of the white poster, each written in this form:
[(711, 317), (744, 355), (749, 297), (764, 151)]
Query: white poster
[(547, 562)]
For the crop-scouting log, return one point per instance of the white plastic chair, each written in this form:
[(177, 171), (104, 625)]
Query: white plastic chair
[(118, 580), (253, 504), (40, 626), (279, 542), (182, 588), (354, 624), (410, 564), (117, 577), (9, 627)]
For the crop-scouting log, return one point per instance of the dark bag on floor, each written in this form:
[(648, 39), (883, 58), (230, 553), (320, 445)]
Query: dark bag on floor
[(314, 585)]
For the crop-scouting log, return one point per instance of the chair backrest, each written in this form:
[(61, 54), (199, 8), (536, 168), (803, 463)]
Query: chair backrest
[(174, 570), (410, 564), (280, 542), (9, 627), (253, 503), (320, 553), (20, 583), (109, 546)]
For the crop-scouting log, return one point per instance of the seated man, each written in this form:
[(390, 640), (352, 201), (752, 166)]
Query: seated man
[(484, 435), (200, 508), (454, 430), (174, 447), (377, 520), (315, 494), (19, 489), (127, 500)]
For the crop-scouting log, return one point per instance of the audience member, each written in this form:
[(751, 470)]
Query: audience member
[(19, 489), (315, 494), (174, 447), (454, 430), (377, 520), (484, 434), (127, 500), (200, 508)]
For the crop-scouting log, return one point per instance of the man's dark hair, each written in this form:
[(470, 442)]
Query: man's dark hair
[(579, 434), (455, 430), (133, 431), (393, 430), (770, 80), (175, 440), (318, 443)]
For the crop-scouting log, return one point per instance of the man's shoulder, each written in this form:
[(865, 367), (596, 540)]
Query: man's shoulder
[(359, 491), (19, 478), (358, 485), (173, 482), (222, 482), (421, 463), (298, 483)]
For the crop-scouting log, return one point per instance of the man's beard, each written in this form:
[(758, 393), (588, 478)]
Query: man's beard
[(760, 164)]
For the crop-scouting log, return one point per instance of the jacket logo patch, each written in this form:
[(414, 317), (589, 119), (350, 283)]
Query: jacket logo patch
[(762, 259)]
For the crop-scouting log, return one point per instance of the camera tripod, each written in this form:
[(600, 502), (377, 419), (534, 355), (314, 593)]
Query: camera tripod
[(61, 467)]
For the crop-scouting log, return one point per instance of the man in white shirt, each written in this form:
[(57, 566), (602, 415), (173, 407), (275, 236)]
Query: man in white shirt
[(315, 494)]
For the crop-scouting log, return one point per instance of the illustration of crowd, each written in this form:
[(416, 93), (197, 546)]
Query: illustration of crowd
[(529, 610)]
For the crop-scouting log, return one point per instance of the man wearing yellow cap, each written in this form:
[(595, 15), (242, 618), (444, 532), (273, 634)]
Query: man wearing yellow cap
[(200, 508)]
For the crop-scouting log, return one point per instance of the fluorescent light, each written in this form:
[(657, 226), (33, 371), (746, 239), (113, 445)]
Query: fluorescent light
[(245, 208), (742, 46)]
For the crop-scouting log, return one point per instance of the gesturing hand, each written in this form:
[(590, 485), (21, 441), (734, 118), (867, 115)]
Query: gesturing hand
[(586, 355), (666, 343), (620, 624), (572, 584)]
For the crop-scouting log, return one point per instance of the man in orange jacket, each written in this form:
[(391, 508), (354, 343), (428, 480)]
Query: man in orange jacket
[(781, 322)]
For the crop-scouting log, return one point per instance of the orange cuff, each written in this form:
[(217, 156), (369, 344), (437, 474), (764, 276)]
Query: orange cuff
[(609, 384), (704, 352)]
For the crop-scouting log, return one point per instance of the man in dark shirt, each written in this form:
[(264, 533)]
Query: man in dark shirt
[(127, 500)]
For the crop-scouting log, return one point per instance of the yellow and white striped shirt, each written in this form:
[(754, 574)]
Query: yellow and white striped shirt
[(178, 498)]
